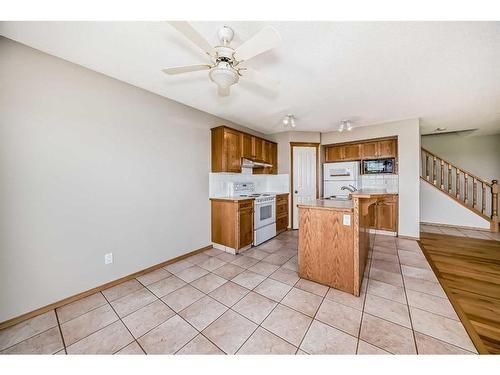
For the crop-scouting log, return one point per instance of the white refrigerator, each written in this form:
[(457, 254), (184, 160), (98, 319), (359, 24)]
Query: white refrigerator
[(337, 175)]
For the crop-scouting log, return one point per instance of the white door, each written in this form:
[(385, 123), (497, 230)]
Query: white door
[(304, 178)]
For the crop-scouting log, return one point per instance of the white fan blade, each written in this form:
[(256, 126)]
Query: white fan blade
[(194, 36), (264, 40), (223, 91), (260, 78), (186, 69)]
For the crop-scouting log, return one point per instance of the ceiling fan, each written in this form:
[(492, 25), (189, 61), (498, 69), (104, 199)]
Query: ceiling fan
[(225, 68)]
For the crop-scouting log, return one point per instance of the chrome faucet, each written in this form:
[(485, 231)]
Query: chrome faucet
[(351, 188)]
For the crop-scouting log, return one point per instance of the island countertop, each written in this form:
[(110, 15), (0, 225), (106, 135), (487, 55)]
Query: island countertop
[(329, 204), (369, 193), (344, 205)]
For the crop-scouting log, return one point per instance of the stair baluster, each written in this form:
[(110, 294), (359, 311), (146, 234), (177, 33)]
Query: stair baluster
[(449, 178), (486, 192)]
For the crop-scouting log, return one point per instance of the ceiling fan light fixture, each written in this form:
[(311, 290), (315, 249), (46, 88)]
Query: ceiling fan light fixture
[(223, 75)]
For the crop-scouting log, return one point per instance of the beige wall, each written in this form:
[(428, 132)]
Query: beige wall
[(90, 165), (284, 138), (408, 134), (479, 155)]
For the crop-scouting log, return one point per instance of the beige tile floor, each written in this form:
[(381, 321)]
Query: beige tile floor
[(255, 303), (460, 232)]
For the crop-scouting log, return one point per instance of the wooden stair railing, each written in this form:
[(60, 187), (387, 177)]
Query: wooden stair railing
[(460, 184)]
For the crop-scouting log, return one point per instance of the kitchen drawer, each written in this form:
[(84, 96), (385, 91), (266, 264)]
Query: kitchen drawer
[(281, 223), (245, 205), (389, 199)]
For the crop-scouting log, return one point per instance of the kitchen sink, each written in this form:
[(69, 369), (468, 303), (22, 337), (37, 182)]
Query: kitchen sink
[(339, 197)]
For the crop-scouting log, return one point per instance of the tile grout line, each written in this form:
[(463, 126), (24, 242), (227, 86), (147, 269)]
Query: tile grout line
[(389, 321), (364, 300), (277, 304), (408, 303), (252, 290), (60, 331), (120, 319), (236, 312)]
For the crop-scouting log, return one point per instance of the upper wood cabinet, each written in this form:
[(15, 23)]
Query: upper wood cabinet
[(247, 146), (334, 153), (352, 152), (230, 145), (385, 148), (369, 150), (343, 153)]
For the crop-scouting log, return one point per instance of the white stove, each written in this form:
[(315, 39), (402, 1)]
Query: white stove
[(264, 213)]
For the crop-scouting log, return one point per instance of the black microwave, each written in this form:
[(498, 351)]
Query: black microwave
[(379, 166)]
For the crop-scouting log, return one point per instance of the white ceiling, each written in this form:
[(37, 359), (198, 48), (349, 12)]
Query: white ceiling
[(446, 73)]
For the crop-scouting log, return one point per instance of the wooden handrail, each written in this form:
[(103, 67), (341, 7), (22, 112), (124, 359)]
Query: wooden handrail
[(461, 169), (460, 192)]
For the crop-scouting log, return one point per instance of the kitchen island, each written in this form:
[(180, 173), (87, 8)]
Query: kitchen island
[(334, 239)]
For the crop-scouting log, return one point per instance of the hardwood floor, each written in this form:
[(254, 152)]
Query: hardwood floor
[(469, 271)]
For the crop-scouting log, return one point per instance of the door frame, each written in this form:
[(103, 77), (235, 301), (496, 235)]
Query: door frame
[(302, 144)]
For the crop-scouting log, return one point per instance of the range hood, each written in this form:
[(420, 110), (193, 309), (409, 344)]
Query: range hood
[(254, 163)]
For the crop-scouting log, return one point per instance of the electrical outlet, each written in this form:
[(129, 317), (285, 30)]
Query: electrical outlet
[(347, 220), (108, 258)]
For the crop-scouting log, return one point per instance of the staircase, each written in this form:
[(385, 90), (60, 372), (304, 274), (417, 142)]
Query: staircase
[(479, 196)]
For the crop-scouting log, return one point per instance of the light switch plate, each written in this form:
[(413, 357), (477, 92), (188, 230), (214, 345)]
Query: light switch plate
[(108, 258), (347, 220)]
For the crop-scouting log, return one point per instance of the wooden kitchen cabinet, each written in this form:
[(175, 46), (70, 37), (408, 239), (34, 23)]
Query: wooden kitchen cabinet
[(387, 148), (230, 145), (245, 223), (369, 150), (334, 153), (352, 152), (260, 149), (232, 223), (385, 216), (374, 149), (281, 213), (273, 159), (247, 143)]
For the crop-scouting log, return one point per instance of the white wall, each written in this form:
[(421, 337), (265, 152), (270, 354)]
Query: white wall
[(408, 135), (480, 155), (90, 165), (437, 207)]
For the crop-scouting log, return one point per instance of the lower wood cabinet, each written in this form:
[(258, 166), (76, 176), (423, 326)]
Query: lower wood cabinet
[(385, 214), (232, 223), (281, 213)]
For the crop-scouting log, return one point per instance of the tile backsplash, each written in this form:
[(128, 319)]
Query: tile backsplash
[(220, 184), (381, 181)]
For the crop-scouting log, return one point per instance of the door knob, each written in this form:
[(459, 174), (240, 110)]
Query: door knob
[(296, 192)]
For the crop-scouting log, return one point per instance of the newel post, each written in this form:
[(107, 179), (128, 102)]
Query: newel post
[(494, 206)]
